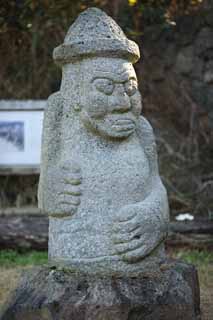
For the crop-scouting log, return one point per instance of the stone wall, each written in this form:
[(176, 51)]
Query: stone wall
[(176, 76), (177, 65)]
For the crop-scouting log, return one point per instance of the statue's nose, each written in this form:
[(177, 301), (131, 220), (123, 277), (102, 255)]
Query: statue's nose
[(120, 101)]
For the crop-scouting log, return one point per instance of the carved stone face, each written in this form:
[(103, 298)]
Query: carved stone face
[(111, 102)]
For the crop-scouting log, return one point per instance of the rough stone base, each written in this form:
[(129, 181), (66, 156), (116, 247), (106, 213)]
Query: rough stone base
[(170, 293)]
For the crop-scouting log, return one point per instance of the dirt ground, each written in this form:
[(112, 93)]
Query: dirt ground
[(206, 291), (10, 277)]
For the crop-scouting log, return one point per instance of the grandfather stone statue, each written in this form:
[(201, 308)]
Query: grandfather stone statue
[(100, 186), (99, 176)]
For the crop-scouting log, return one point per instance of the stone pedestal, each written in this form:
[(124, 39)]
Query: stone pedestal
[(170, 293)]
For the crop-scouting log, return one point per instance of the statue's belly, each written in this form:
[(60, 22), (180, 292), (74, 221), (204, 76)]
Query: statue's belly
[(113, 182), (110, 181)]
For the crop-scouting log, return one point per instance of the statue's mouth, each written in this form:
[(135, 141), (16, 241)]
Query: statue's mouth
[(124, 125)]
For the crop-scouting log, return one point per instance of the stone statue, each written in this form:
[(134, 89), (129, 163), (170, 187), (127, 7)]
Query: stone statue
[(99, 178), (100, 186)]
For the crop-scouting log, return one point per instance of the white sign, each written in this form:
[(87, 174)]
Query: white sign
[(20, 134)]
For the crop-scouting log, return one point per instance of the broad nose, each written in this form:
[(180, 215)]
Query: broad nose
[(120, 101)]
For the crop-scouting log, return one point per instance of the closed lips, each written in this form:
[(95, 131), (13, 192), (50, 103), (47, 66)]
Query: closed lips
[(124, 124)]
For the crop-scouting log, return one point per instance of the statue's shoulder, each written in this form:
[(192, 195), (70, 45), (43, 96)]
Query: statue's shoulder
[(54, 100), (147, 140), (145, 131), (54, 108)]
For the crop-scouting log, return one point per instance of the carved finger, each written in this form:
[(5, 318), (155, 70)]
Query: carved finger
[(126, 237), (129, 246), (69, 209), (72, 178), (69, 199), (72, 190), (64, 210), (59, 213), (136, 255), (142, 251), (126, 227), (71, 166), (125, 215)]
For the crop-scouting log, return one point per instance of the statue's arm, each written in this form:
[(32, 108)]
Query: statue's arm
[(50, 146), (59, 185), (156, 198), (140, 227)]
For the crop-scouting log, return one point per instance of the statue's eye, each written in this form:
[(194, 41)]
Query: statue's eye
[(131, 86), (104, 85)]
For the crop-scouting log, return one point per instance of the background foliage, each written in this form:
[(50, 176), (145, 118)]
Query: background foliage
[(30, 29)]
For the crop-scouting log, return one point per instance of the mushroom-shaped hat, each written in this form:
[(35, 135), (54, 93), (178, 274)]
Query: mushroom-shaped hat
[(95, 34)]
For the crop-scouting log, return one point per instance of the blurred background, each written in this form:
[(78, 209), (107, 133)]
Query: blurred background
[(175, 75)]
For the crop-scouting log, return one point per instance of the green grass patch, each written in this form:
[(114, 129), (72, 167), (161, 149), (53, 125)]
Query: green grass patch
[(196, 257), (13, 258)]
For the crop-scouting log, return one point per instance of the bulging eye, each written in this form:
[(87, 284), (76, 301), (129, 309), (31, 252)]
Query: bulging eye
[(104, 85), (131, 86)]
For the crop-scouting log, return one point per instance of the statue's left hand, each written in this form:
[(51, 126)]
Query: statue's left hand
[(136, 233)]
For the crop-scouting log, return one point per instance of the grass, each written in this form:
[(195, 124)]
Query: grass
[(203, 260), (12, 258), (12, 264), (196, 257)]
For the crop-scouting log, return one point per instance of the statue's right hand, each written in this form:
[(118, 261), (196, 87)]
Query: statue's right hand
[(68, 195)]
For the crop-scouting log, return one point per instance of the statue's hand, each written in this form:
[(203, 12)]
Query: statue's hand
[(136, 233), (69, 189)]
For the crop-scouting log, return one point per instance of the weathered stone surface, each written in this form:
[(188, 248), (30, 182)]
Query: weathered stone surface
[(170, 293), (95, 34), (100, 186), (99, 176)]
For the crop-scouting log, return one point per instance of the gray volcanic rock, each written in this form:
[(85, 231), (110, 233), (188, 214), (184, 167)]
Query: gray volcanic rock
[(170, 293), (99, 179), (94, 33)]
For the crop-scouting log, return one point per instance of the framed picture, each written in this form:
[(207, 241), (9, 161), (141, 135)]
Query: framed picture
[(20, 136)]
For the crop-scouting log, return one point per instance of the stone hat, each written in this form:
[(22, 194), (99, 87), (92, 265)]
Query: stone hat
[(95, 34)]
